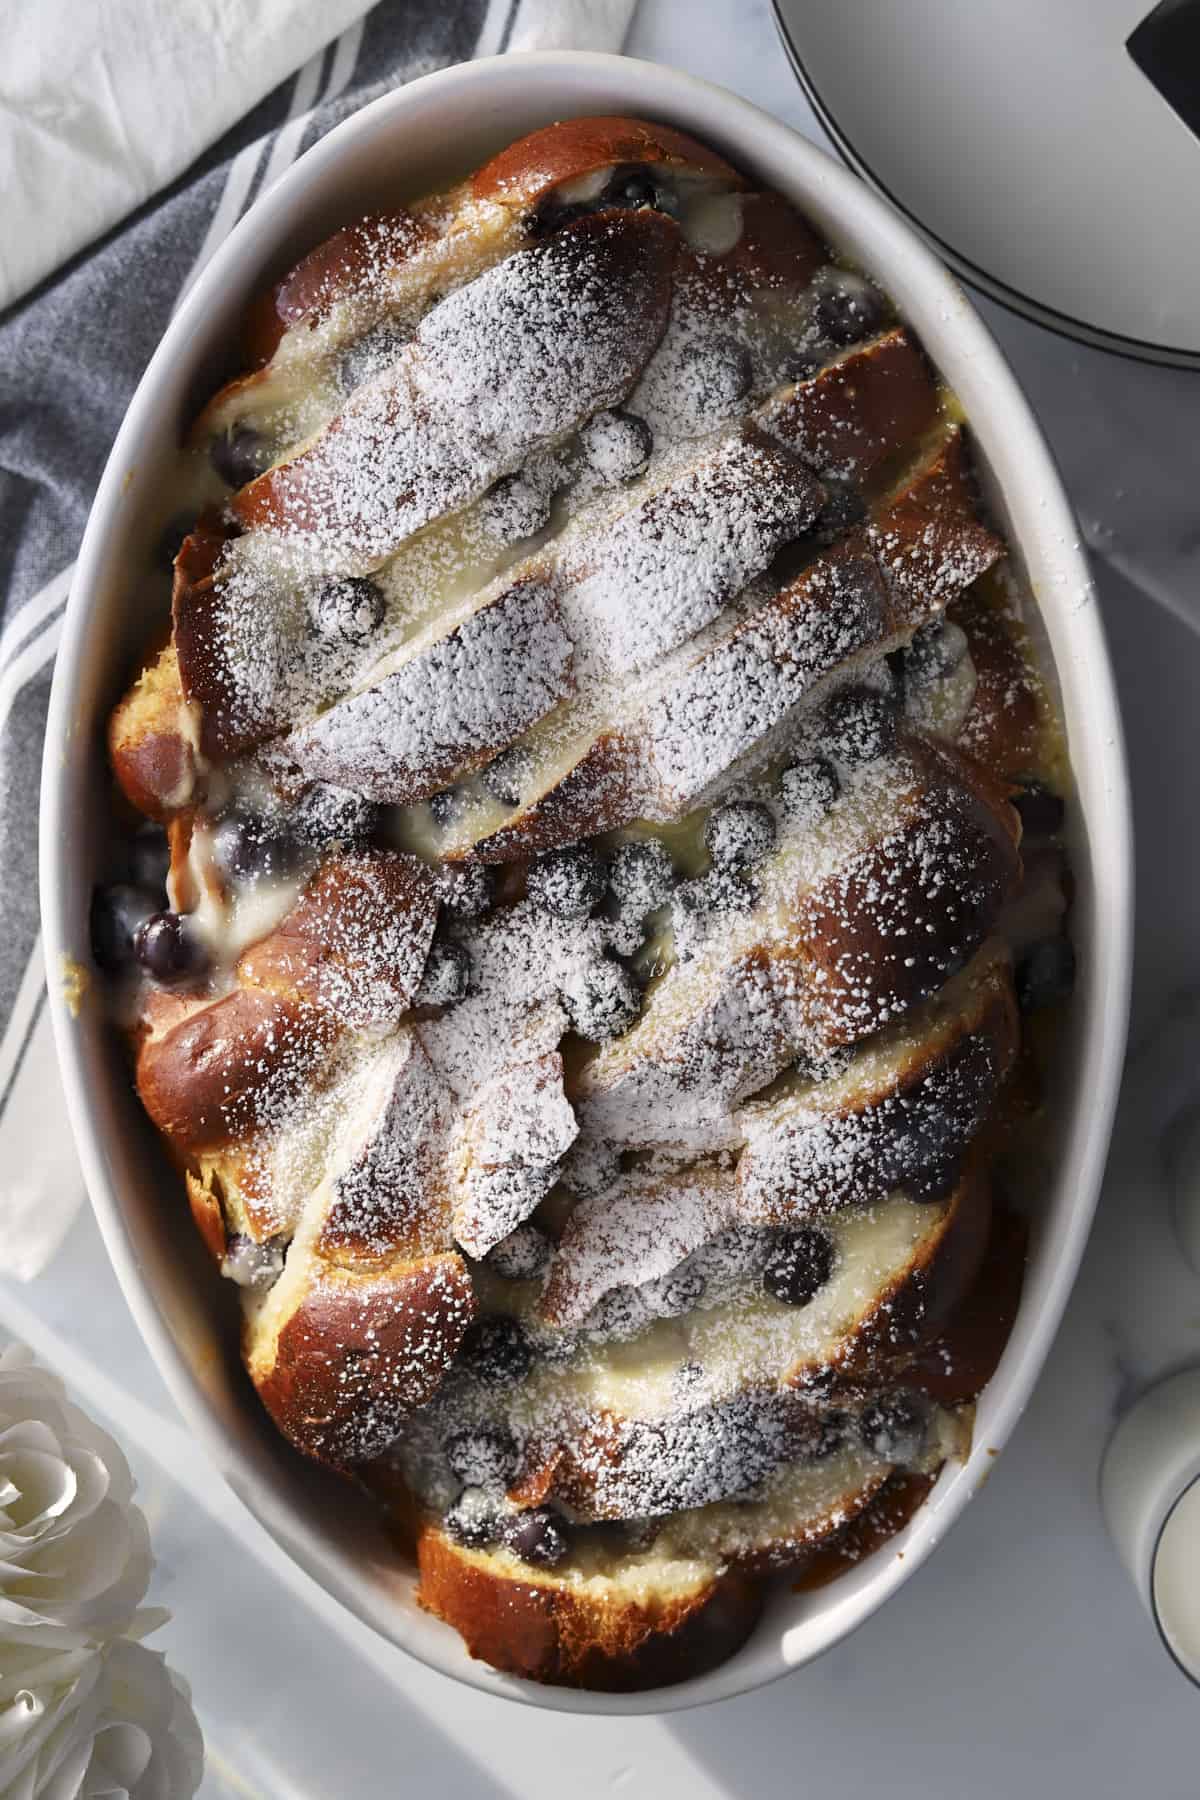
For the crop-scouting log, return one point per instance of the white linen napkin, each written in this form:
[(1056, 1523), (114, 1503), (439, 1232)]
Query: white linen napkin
[(102, 105)]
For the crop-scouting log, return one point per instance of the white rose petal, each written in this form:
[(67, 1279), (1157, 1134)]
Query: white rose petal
[(85, 1711), (74, 1550), (123, 1726)]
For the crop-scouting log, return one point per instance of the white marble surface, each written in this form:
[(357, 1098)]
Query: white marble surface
[(1017, 1660)]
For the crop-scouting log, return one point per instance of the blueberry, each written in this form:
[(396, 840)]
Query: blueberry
[(497, 1350), (514, 508), (506, 775), (799, 1266), (117, 914), (695, 903), (482, 1455), (1041, 810), (718, 373), (552, 215), (616, 446), (621, 1314), (602, 1001), (936, 1182), (239, 455), (568, 883), (370, 354), (683, 1292), (935, 650), (641, 877), (893, 1427), (350, 609), (522, 1255), (249, 848), (842, 510), (799, 365), (167, 949), (150, 859), (860, 726), (590, 1168), (632, 188), (740, 833), (849, 309), (466, 890), (447, 975), (829, 1433), (808, 789), (325, 815), (473, 1520), (447, 807), (538, 1537), (1045, 974)]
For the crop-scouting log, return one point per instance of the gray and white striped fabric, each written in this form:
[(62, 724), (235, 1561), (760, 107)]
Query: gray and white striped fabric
[(71, 354)]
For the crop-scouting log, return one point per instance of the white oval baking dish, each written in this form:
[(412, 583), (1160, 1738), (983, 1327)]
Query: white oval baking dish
[(402, 145)]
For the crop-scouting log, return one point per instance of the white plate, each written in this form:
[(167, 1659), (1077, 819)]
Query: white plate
[(401, 146)]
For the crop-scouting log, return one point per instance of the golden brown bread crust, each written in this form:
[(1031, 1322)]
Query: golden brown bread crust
[(195, 604), (1003, 727), (775, 249), (356, 940), (149, 740), (627, 255), (345, 263), (942, 1274), (534, 1626), (927, 535), (810, 1152), (205, 1081), (359, 1351), (848, 417), (207, 1212), (564, 151), (351, 949), (884, 933)]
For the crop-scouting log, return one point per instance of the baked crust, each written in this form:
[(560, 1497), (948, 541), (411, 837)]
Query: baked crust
[(622, 1218)]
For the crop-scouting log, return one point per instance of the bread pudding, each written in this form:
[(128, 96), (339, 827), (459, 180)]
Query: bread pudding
[(590, 908)]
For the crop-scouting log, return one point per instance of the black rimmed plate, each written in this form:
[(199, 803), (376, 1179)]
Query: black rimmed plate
[(1050, 154)]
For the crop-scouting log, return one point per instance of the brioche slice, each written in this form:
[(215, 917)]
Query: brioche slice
[(373, 1301), (703, 717), (907, 1106), (512, 1140), (611, 598), (1006, 721), (621, 1619), (348, 955), (898, 1269), (862, 916), (858, 410), (449, 700), (513, 360), (386, 269), (152, 740)]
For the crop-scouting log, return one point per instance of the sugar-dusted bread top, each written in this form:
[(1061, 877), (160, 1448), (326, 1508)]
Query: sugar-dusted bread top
[(601, 844)]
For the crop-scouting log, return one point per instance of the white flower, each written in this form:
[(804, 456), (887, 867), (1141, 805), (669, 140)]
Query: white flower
[(118, 1723), (74, 1550), (84, 1710)]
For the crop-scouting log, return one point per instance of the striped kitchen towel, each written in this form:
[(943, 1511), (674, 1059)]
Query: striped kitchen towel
[(71, 353)]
